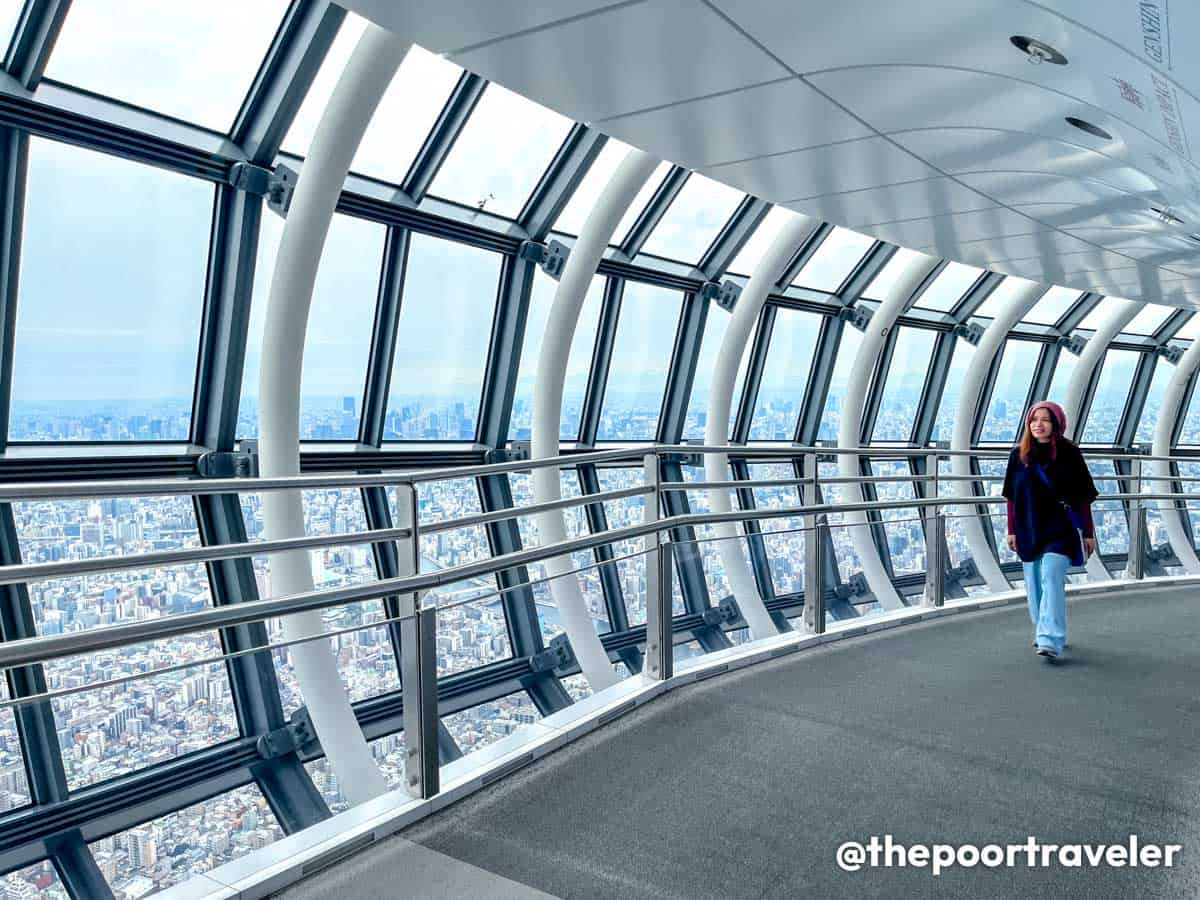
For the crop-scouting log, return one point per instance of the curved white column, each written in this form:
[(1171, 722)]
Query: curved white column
[(1172, 408), (1090, 361), (767, 272), (968, 404), (577, 275), (850, 429), (358, 91)]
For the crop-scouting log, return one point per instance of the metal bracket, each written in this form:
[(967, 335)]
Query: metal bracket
[(963, 571), (1159, 553), (725, 294), (858, 585), (687, 460), (550, 257), (559, 655), (516, 451), (858, 316), (277, 186), (728, 609), (1073, 343), (229, 463), (292, 737), (1170, 353), (971, 332)]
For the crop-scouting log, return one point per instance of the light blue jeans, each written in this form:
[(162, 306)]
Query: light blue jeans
[(1045, 579)]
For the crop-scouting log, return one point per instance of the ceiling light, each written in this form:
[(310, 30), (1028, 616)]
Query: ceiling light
[(1165, 215), (1094, 130), (1037, 51)]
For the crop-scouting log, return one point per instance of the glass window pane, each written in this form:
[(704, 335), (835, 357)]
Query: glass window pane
[(715, 326), (882, 283), (949, 287), (831, 417), (1191, 328), (169, 850), (1148, 319), (10, 13), (834, 260), (469, 634), (475, 728), (1099, 313), (575, 213), (760, 241), (785, 375), (405, 115), (999, 299), (902, 527), (442, 341), (1189, 434), (640, 202), (1064, 370), (905, 380), (1007, 403), (641, 356), (505, 147), (389, 753), (364, 656), (579, 359), (623, 514), (943, 425), (39, 880), (1163, 370), (1052, 306), (14, 787), (193, 61), (108, 321), (693, 220), (589, 581), (1112, 391), (782, 538), (338, 338), (110, 730)]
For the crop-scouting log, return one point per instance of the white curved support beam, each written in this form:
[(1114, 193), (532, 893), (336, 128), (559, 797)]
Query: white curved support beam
[(1090, 361), (1174, 520), (964, 419), (850, 430), (577, 275), (767, 272), (369, 71)]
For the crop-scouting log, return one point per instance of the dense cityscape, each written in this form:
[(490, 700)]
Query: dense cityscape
[(108, 726)]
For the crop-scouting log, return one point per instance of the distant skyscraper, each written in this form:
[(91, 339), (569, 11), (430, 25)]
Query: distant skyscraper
[(348, 405)]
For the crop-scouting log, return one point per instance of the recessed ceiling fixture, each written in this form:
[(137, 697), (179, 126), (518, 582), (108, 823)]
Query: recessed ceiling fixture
[(1037, 51), (1165, 215), (1094, 130)]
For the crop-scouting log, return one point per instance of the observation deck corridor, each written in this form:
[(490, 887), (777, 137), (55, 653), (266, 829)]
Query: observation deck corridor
[(950, 731)]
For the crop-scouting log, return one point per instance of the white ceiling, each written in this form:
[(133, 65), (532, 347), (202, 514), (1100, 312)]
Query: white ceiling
[(917, 122)]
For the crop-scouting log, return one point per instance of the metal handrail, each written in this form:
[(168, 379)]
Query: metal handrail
[(157, 487), (27, 651)]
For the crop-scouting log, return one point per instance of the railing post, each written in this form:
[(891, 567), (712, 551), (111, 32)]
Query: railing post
[(660, 637), (814, 552), (935, 538), (418, 669), (659, 558), (1135, 567)]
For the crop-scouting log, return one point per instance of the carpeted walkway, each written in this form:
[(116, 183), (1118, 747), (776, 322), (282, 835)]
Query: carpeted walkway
[(945, 732)]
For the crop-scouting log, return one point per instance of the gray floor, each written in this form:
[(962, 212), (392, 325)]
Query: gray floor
[(945, 732)]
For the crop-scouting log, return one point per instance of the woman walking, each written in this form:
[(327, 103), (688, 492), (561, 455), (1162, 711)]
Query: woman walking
[(1050, 493)]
